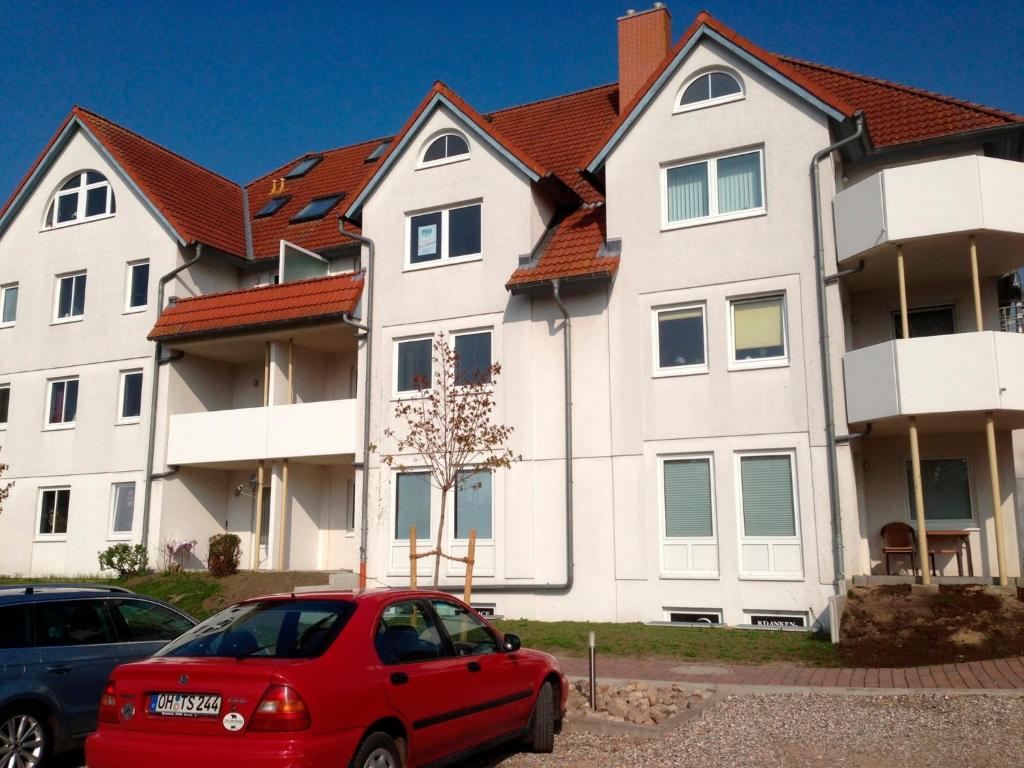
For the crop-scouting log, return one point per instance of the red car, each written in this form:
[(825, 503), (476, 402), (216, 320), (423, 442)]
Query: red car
[(381, 679)]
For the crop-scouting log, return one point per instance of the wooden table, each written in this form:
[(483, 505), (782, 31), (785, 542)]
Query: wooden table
[(963, 541)]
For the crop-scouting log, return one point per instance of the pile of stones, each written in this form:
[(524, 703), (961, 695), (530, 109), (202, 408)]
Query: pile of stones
[(635, 702)]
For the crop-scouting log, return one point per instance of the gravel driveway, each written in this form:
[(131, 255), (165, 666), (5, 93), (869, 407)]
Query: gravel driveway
[(811, 731)]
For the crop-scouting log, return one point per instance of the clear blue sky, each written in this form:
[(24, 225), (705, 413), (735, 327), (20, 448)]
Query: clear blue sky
[(243, 87)]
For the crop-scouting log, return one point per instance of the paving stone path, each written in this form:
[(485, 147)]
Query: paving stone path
[(1005, 674)]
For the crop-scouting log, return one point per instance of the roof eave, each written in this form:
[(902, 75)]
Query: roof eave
[(240, 330), (534, 287)]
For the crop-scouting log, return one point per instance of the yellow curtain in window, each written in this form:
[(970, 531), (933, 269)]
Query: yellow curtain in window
[(758, 324)]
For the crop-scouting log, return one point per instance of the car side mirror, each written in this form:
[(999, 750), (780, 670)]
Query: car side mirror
[(511, 643)]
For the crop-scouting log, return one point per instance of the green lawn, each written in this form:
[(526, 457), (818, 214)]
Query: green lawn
[(742, 646), (189, 591)]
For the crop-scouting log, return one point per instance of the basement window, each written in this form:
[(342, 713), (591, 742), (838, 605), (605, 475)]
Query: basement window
[(317, 208), (303, 167), (273, 205)]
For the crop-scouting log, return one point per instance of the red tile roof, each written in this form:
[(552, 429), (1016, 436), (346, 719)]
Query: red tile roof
[(322, 298), (572, 251), (897, 114)]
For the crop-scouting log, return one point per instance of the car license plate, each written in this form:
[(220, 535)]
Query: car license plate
[(184, 704)]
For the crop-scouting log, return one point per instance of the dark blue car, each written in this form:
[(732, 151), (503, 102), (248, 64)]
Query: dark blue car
[(58, 645)]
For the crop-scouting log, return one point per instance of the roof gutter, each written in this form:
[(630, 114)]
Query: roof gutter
[(364, 524), (826, 363), (154, 395)]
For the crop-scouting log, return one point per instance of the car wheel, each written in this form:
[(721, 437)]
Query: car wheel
[(540, 735), (25, 738), (378, 750)]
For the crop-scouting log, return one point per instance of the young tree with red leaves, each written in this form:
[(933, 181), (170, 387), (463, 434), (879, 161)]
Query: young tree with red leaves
[(5, 488), (447, 426)]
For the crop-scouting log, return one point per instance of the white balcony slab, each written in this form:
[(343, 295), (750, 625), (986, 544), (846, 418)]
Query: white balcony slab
[(898, 205), (303, 430), (936, 374)]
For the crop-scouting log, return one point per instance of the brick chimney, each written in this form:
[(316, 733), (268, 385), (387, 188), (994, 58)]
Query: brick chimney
[(644, 40)]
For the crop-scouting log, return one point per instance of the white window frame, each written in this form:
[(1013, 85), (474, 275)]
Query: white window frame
[(664, 539), (761, 362), (742, 538), (713, 216), (422, 164), (472, 332), (402, 394), (129, 275), (943, 525), (47, 425), (113, 535), (667, 615), (39, 514), (58, 279), (445, 259), (3, 302), (121, 376), (80, 190), (678, 370), (7, 386), (679, 107)]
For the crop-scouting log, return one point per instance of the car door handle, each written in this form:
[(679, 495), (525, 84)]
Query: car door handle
[(399, 678), (473, 666), (59, 669)]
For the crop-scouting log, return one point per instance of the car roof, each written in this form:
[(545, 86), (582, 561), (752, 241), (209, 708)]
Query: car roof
[(372, 596), (20, 593)]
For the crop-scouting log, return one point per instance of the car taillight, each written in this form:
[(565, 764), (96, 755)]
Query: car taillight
[(280, 709), (108, 704)]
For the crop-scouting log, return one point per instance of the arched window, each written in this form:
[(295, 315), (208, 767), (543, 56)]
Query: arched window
[(448, 146), (85, 195), (710, 88)]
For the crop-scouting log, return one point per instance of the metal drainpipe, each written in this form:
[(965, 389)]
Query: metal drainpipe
[(154, 394), (826, 368), (364, 526), (569, 564)]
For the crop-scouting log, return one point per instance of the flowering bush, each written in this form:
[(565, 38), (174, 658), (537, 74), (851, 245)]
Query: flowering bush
[(177, 551)]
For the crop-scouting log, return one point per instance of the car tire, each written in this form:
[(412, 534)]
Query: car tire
[(540, 734), (25, 733), (378, 750)]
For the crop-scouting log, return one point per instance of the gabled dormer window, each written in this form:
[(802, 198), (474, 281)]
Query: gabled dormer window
[(709, 89), (446, 148), (85, 195)]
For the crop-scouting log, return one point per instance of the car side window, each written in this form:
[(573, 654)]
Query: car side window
[(15, 626), (470, 635), (408, 633), (73, 622), (139, 621)]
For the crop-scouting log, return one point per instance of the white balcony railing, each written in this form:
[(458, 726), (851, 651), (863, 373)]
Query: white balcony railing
[(936, 374), (897, 205), (327, 428)]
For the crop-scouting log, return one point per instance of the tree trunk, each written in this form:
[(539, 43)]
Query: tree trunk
[(440, 534)]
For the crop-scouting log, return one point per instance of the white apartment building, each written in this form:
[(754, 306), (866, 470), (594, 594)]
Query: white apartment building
[(741, 404)]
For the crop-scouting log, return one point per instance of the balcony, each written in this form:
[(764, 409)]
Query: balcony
[(949, 374), (221, 439), (958, 196)]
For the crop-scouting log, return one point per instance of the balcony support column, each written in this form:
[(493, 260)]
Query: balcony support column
[(915, 450), (258, 526), (976, 283), (997, 497), (283, 517)]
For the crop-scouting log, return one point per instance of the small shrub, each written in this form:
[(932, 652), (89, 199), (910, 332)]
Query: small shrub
[(225, 552), (176, 552), (126, 559)]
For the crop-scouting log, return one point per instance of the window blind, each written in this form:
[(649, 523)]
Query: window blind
[(473, 505), (412, 505), (757, 325), (687, 192), (688, 498), (739, 183), (767, 483)]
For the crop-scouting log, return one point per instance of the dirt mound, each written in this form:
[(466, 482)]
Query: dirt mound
[(888, 626), (245, 584)]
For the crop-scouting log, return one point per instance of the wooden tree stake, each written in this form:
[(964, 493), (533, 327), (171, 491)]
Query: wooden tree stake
[(412, 557), (467, 593)]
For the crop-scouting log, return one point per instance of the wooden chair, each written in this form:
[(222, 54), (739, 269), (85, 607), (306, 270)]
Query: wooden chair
[(899, 539)]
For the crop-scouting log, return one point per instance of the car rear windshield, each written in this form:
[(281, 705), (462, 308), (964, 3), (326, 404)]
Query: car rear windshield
[(278, 629)]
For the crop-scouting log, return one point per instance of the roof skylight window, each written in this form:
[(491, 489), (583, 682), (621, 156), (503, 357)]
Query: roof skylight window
[(317, 208), (375, 155), (303, 167), (273, 205)]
